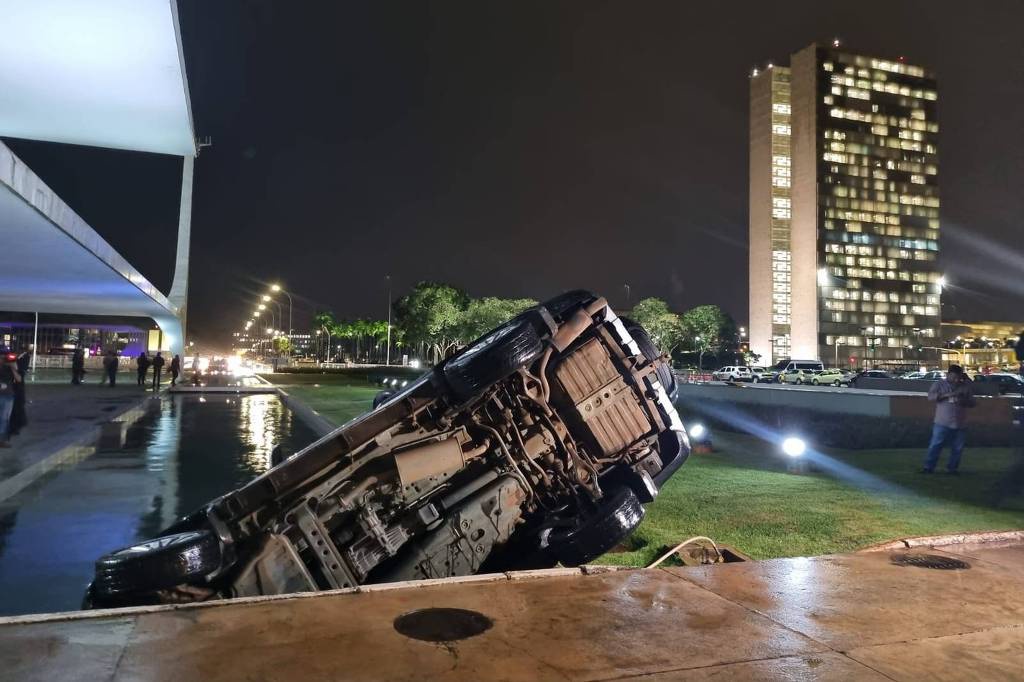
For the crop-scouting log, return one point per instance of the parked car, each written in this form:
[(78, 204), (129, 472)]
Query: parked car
[(1007, 383), (783, 366), (798, 376), (537, 444), (934, 375), (912, 375), (832, 376), (761, 374), (733, 373)]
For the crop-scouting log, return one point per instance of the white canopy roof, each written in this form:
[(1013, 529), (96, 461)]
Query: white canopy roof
[(104, 73)]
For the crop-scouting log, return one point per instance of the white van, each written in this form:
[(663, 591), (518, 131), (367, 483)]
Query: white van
[(783, 366)]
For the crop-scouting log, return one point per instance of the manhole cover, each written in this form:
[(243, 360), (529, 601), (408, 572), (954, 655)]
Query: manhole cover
[(944, 563), (442, 625)]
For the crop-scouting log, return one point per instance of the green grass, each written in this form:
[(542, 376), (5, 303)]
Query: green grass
[(337, 397), (742, 495)]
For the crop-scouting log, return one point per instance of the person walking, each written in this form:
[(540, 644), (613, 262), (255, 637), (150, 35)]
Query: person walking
[(175, 369), (78, 366), (952, 397), (110, 367), (142, 367), (9, 377), (158, 366)]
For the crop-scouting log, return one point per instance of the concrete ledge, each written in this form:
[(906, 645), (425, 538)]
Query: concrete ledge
[(994, 537), (832, 617), (82, 447), (320, 424)]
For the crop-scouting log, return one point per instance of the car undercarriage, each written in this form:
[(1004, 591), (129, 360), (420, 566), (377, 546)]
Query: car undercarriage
[(537, 444)]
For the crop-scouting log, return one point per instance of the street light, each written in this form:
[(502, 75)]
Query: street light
[(277, 288), (387, 359)]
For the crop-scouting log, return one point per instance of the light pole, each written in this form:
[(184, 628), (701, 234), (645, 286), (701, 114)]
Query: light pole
[(700, 357), (628, 291), (277, 288), (387, 361)]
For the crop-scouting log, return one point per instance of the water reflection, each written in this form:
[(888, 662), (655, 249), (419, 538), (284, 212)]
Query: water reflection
[(186, 451)]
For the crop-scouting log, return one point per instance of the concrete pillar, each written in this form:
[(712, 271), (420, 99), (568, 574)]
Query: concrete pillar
[(179, 287)]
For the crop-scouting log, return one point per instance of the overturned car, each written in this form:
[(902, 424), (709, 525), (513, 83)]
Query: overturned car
[(535, 445)]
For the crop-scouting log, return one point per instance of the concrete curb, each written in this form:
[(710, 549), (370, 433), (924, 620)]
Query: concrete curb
[(582, 571), (313, 419), (76, 451), (982, 537)]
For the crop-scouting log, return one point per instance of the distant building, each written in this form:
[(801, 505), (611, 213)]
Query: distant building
[(844, 209), (981, 343)]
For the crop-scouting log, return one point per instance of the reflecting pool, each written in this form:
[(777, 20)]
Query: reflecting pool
[(187, 450)]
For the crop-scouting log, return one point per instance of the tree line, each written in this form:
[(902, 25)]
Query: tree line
[(434, 318), (428, 322)]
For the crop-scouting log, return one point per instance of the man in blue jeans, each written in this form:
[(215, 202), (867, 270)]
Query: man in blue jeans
[(952, 397)]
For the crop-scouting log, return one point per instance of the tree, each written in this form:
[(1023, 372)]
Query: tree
[(709, 329), (484, 314), (664, 326), (430, 314)]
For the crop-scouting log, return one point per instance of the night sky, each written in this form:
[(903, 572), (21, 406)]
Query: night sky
[(520, 149)]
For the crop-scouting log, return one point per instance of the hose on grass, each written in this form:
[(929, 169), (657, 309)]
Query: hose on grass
[(684, 543)]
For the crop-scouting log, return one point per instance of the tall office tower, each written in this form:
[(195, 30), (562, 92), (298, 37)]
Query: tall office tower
[(844, 210)]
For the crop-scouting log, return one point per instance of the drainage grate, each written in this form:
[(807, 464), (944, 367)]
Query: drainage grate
[(943, 563), (442, 625)]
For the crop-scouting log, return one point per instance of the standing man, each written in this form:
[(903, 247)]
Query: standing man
[(110, 366), (19, 415), (142, 367), (952, 397), (158, 366), (1019, 350), (9, 378), (77, 366), (175, 369)]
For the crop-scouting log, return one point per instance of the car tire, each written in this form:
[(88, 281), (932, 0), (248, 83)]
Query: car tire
[(837, 383), (651, 352), (814, 382), (591, 535), (493, 357), (799, 381), (158, 564)]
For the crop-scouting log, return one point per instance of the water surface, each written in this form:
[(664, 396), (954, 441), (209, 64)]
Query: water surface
[(187, 450)]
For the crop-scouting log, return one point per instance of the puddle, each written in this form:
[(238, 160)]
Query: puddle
[(442, 624)]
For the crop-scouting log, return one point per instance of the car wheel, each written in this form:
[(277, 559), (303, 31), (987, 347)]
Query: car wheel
[(814, 382), (493, 357), (157, 564), (799, 381), (837, 383), (651, 352), (591, 535)]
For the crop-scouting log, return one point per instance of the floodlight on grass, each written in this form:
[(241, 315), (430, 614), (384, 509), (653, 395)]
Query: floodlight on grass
[(794, 447)]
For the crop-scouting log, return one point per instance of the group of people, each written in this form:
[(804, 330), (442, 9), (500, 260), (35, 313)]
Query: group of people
[(111, 362), (143, 363), (13, 415)]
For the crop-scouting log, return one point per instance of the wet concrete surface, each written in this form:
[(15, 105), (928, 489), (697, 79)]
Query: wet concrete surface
[(183, 452), (851, 617)]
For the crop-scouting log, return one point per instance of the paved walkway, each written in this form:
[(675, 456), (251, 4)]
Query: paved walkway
[(64, 425), (848, 617)]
